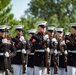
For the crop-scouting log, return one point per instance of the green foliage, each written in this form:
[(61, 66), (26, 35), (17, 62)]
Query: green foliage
[(4, 4), (5, 14), (59, 13), (7, 18)]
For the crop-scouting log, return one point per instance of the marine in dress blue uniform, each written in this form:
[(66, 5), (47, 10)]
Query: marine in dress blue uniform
[(39, 56), (30, 63), (21, 45), (61, 55), (50, 32), (7, 50), (71, 47)]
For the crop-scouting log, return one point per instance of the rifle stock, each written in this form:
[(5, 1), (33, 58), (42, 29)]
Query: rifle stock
[(47, 62), (65, 63), (55, 67), (23, 64), (6, 69), (54, 58), (6, 61), (23, 61)]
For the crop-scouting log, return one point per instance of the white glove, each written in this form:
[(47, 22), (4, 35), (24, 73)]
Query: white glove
[(66, 52), (63, 42), (23, 51), (48, 50), (54, 40), (4, 40), (55, 51), (46, 37), (6, 54), (21, 38)]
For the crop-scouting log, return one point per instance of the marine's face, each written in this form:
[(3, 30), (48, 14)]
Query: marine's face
[(51, 33), (73, 31), (19, 32), (59, 35), (42, 29), (2, 34), (30, 35)]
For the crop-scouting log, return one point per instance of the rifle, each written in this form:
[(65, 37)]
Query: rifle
[(23, 60), (54, 58), (55, 67), (65, 63), (65, 56), (47, 62), (47, 56), (6, 61)]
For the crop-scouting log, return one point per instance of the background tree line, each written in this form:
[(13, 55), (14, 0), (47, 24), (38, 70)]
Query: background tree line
[(58, 13)]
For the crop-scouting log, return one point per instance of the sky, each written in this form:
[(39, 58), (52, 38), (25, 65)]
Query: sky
[(18, 7)]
